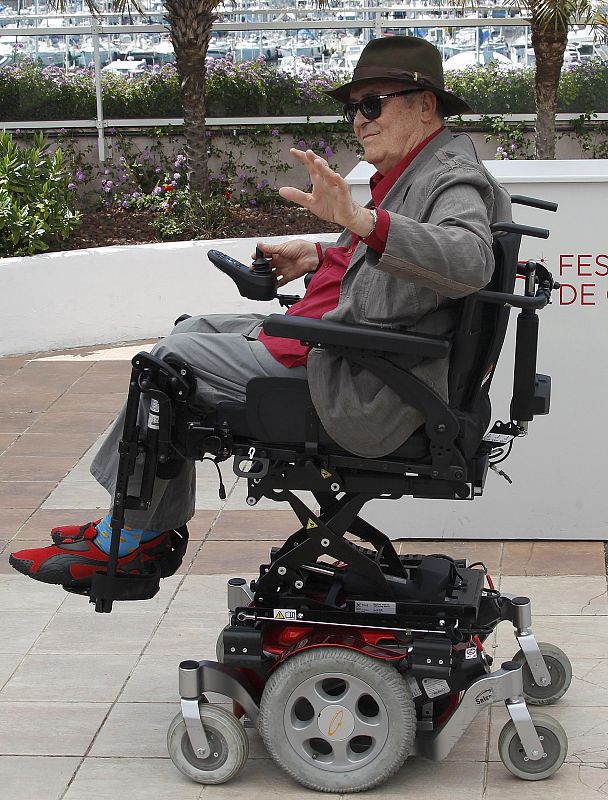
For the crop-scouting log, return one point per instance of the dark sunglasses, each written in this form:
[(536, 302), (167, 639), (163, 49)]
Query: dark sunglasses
[(371, 107)]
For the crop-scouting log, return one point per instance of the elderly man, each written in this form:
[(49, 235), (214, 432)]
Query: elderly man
[(402, 261)]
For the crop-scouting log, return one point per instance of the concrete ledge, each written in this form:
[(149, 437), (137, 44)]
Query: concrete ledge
[(113, 294)]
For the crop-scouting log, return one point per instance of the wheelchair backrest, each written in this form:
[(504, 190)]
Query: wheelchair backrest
[(481, 331)]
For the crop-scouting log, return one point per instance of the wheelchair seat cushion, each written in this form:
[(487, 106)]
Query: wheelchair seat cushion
[(276, 412)]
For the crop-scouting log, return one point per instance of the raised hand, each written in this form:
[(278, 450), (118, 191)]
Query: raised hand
[(330, 197)]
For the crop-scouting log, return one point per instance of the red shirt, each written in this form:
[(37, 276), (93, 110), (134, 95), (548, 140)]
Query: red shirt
[(323, 291)]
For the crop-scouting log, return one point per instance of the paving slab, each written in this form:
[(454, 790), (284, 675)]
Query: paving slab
[(587, 782), (36, 777), (40, 728), (50, 678), (98, 634), (136, 779), (563, 594)]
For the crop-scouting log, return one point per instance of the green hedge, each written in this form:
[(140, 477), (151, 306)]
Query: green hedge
[(31, 92)]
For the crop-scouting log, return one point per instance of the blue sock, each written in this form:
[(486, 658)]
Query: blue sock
[(130, 538)]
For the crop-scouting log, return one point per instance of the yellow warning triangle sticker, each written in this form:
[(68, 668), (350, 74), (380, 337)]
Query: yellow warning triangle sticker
[(279, 615), (311, 524), (325, 473)]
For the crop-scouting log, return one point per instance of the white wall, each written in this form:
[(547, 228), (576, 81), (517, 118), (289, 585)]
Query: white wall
[(558, 470), (114, 294)]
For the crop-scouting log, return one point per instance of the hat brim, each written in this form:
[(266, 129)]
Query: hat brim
[(452, 104)]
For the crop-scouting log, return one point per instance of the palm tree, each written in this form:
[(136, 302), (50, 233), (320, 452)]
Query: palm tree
[(550, 21), (190, 25)]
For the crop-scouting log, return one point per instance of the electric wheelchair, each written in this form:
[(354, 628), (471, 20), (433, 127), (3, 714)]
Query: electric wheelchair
[(346, 656)]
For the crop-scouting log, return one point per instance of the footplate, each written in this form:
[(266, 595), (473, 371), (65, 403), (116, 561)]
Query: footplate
[(105, 588)]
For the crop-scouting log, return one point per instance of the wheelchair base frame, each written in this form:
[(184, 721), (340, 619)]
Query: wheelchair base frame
[(243, 686)]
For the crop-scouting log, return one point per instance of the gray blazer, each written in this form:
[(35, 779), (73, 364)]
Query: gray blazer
[(439, 248)]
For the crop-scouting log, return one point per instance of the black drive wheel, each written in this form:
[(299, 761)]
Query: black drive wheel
[(560, 671), (553, 739), (227, 739), (337, 720)]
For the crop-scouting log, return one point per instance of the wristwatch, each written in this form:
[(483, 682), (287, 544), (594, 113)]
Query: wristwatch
[(374, 222)]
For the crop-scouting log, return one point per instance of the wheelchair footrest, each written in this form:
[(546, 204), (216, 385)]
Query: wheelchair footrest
[(124, 587)]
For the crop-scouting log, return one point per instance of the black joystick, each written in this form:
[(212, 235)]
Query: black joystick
[(261, 264), (256, 283)]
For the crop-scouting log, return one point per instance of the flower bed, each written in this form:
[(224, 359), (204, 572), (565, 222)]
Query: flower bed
[(255, 88)]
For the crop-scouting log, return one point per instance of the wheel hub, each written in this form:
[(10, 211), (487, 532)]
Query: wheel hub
[(336, 723)]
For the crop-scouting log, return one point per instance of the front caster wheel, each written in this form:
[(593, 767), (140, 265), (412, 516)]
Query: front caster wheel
[(553, 739), (560, 672), (227, 739)]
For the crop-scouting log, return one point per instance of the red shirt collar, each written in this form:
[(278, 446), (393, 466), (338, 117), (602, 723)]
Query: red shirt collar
[(381, 184)]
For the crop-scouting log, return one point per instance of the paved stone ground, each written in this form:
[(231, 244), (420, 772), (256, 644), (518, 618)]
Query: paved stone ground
[(86, 699)]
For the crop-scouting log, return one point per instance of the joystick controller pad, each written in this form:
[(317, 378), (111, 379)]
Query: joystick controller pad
[(259, 283)]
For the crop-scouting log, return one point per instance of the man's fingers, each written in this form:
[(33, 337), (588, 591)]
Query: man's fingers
[(295, 195)]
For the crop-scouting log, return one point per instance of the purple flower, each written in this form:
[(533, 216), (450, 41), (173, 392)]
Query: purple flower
[(71, 186), (513, 147), (274, 132), (176, 176), (157, 190), (328, 151), (80, 176), (302, 144), (253, 202)]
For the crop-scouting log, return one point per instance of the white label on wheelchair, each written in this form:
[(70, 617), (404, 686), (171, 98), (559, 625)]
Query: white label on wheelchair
[(284, 613), (153, 415), (499, 438), (434, 687), (374, 607)]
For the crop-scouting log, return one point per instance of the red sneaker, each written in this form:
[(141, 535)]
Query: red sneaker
[(68, 534), (74, 562)]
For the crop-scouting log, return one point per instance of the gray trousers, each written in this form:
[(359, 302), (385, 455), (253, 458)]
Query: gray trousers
[(224, 355)]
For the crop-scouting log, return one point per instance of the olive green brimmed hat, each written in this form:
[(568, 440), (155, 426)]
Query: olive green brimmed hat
[(408, 59)]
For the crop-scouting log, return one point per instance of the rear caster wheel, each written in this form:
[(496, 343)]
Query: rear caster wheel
[(227, 739), (553, 739), (560, 671), (337, 720)]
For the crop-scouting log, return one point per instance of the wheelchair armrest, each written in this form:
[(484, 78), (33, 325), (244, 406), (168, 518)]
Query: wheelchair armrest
[(323, 333)]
